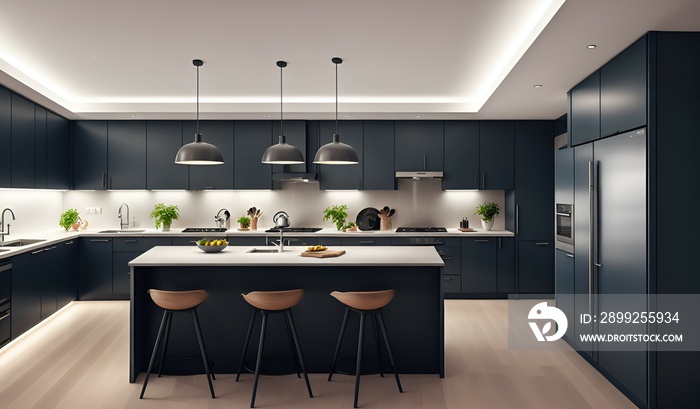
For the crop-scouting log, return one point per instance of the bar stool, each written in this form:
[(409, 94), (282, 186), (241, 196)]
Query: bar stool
[(364, 303), (270, 302), (171, 302)]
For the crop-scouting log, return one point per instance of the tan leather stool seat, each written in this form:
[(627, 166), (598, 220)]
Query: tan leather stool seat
[(364, 300), (274, 300), (178, 300)]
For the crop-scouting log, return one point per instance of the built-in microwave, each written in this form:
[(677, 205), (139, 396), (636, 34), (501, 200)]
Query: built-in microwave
[(565, 223)]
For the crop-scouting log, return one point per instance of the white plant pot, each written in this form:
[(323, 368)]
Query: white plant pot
[(487, 225)]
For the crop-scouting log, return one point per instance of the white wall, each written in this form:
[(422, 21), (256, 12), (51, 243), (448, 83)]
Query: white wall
[(417, 203)]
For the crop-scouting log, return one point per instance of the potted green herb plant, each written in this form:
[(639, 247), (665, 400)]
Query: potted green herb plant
[(351, 226), (164, 215), (69, 218), (336, 214), (244, 222), (488, 211)]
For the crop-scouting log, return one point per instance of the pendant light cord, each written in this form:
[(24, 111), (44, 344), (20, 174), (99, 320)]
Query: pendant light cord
[(197, 99), (281, 105), (336, 98)]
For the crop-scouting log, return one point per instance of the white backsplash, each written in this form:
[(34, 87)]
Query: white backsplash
[(417, 203)]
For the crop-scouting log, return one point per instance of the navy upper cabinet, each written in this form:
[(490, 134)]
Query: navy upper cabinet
[(163, 140), (534, 180), (219, 134), (5, 138), (584, 110), (40, 147), (90, 155), (251, 141), (23, 149), (418, 145), (461, 155), (126, 159), (497, 153), (341, 176), (58, 152), (378, 156), (623, 90)]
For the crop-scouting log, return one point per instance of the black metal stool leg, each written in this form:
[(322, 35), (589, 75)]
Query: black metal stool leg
[(290, 320), (153, 354), (358, 368), (340, 341), (259, 360), (211, 371), (205, 359), (246, 343), (388, 348), (291, 345), (168, 321), (375, 321)]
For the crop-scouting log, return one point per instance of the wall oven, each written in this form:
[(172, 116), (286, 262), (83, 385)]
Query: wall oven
[(565, 223)]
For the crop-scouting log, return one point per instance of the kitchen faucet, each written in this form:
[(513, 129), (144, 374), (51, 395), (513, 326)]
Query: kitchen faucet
[(223, 221), (280, 246), (4, 233), (121, 218)]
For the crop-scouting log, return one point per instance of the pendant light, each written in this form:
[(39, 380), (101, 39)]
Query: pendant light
[(198, 152), (336, 152), (282, 153)]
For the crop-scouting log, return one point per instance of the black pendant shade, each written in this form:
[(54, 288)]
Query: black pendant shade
[(336, 152), (282, 153), (198, 152)]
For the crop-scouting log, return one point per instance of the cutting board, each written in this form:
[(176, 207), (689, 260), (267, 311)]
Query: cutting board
[(323, 254)]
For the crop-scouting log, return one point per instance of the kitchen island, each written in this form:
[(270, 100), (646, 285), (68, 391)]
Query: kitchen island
[(414, 318)]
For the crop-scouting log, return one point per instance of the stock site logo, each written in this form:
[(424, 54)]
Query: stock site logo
[(543, 312)]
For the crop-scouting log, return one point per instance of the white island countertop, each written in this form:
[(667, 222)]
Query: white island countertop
[(241, 256)]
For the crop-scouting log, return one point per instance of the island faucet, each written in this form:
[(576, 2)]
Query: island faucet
[(121, 217), (4, 233), (280, 246)]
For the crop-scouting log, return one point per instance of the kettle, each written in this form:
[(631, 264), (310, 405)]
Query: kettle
[(281, 220)]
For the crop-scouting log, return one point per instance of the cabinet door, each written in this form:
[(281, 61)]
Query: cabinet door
[(120, 274), (163, 140), (58, 147), (497, 154), (536, 267), (90, 155), (344, 176), (95, 269), (564, 285), (126, 147), (67, 272), (584, 110), (564, 175), (623, 90), (49, 273), (506, 265), (378, 156), (5, 138), (534, 180), (461, 155), (26, 292), (219, 134), (418, 145), (479, 269), (22, 143), (251, 140), (40, 147)]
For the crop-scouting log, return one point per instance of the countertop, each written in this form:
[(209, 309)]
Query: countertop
[(240, 256), (57, 235)]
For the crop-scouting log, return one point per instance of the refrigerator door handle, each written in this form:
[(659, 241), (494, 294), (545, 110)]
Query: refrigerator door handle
[(590, 236)]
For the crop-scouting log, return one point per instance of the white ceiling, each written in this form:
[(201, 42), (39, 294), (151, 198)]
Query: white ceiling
[(443, 59)]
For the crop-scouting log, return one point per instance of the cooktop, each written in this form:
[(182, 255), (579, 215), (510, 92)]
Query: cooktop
[(204, 229), (295, 229), (421, 230)]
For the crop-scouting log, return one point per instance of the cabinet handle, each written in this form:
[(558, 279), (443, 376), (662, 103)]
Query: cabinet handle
[(425, 161), (441, 252), (517, 219), (104, 179), (38, 251), (447, 258), (598, 265), (131, 241), (542, 244), (569, 255), (483, 180), (99, 240), (476, 180), (68, 243), (481, 241), (447, 278), (50, 248), (500, 244), (7, 314), (366, 241)]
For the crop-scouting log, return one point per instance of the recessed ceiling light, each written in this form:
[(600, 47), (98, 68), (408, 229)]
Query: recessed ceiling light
[(537, 86), (591, 46)]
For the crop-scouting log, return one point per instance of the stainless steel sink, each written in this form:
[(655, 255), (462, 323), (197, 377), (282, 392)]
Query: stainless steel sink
[(122, 231), (21, 242), (264, 250)]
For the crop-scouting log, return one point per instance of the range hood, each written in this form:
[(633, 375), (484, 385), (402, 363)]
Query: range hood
[(419, 175), (295, 177)]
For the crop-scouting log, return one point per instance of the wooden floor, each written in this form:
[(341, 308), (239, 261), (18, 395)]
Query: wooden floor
[(79, 359)]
